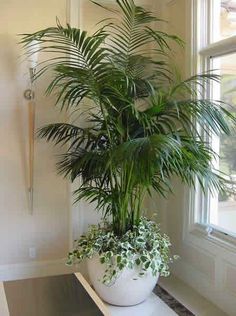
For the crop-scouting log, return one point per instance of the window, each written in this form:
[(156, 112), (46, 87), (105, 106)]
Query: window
[(223, 209), (218, 51), (225, 21)]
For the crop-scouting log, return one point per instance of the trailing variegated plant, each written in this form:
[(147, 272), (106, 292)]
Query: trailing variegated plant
[(142, 122), (144, 247)]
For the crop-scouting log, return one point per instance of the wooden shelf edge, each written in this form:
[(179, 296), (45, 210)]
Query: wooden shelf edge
[(93, 294), (4, 311)]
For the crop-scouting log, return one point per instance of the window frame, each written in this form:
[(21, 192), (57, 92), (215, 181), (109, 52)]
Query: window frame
[(200, 51)]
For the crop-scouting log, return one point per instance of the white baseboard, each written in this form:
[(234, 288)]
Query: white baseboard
[(35, 269), (224, 300)]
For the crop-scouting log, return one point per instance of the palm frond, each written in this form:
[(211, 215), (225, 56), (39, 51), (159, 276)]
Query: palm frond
[(144, 125), (64, 133), (79, 57)]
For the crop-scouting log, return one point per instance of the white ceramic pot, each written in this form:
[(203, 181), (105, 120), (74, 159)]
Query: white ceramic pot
[(128, 289)]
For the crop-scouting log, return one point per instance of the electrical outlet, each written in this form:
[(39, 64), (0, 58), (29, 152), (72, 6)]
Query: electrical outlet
[(32, 252)]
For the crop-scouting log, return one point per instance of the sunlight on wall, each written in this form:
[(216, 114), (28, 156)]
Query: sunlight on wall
[(47, 230)]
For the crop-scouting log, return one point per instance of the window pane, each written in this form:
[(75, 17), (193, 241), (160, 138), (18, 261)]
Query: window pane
[(223, 208), (224, 19)]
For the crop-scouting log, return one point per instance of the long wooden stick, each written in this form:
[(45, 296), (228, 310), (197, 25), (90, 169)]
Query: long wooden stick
[(3, 301), (31, 118)]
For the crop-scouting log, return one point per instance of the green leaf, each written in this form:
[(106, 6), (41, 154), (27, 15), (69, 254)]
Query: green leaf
[(138, 261), (118, 259)]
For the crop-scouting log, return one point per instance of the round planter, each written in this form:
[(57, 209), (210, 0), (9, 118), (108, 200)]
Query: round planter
[(127, 290)]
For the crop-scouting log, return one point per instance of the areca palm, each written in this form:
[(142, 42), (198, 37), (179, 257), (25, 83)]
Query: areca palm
[(143, 127)]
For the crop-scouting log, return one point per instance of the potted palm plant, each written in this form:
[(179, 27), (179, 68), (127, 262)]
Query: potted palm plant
[(142, 129)]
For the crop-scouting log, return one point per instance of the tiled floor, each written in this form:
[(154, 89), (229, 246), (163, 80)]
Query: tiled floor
[(176, 306)]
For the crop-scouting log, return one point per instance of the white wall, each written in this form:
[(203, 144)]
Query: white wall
[(47, 230)]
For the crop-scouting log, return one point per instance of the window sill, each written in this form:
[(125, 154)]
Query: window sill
[(214, 235)]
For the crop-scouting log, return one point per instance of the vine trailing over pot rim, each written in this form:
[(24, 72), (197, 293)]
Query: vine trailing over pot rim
[(144, 247)]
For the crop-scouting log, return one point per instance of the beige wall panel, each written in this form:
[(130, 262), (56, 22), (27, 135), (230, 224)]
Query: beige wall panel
[(47, 230), (200, 260), (230, 280)]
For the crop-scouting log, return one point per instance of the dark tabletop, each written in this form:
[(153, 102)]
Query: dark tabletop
[(49, 296)]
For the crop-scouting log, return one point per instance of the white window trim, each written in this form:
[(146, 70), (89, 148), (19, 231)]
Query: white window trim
[(76, 213), (223, 47), (194, 232)]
